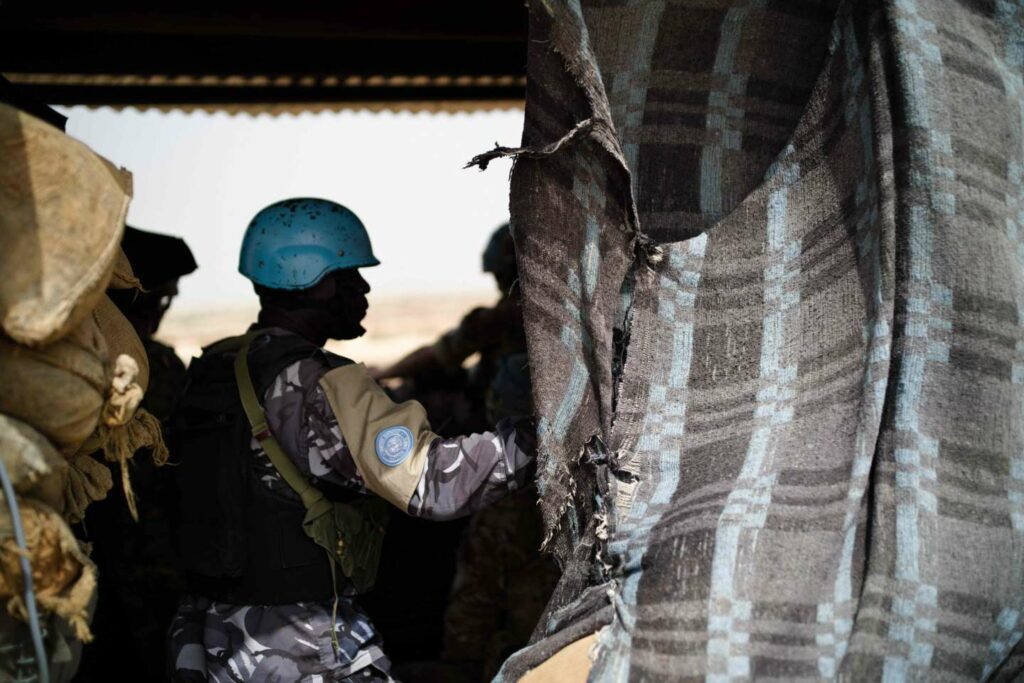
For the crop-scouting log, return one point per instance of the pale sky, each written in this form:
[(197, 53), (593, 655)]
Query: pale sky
[(203, 176)]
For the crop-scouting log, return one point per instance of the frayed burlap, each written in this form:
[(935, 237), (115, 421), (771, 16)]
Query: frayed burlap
[(63, 577), (121, 442), (121, 338), (118, 443), (124, 428), (88, 480)]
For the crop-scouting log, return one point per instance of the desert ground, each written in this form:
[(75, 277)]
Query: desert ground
[(395, 324)]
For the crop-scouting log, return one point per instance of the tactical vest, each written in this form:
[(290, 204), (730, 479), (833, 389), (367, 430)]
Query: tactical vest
[(239, 541)]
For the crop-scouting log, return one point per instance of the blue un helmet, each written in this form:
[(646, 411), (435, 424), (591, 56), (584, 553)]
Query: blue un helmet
[(293, 243)]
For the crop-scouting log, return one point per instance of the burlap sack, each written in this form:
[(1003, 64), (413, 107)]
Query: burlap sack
[(124, 428), (36, 469), (62, 211), (88, 480), (123, 276), (121, 338), (58, 389), (63, 577), (118, 443)]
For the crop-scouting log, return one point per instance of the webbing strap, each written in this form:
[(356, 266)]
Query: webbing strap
[(310, 494)]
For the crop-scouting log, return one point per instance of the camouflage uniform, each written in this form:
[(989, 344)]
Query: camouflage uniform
[(220, 642)]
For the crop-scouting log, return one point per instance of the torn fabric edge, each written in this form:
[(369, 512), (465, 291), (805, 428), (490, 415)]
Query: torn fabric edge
[(606, 245)]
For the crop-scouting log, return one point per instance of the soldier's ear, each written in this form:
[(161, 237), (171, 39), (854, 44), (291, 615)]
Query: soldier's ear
[(325, 290)]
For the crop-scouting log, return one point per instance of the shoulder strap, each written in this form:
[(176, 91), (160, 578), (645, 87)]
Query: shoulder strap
[(317, 505), (310, 494)]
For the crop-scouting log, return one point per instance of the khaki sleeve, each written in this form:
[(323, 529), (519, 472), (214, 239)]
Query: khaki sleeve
[(388, 441)]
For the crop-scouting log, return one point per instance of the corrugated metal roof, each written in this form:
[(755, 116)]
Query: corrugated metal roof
[(399, 55), (282, 94)]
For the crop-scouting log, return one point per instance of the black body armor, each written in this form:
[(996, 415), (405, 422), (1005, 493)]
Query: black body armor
[(240, 542)]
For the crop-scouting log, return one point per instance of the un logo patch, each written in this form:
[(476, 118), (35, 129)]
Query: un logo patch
[(393, 445)]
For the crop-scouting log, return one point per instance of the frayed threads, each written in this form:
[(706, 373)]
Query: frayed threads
[(648, 252), (567, 502), (120, 443), (482, 160)]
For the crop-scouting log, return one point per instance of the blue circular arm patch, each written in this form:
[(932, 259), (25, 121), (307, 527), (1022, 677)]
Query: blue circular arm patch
[(393, 445)]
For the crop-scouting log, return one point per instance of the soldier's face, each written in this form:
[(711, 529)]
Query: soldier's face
[(506, 280), (348, 303)]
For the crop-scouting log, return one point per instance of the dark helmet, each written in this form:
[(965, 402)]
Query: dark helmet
[(500, 254), (156, 259)]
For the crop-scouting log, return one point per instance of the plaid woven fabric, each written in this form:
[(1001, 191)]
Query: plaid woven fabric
[(773, 276)]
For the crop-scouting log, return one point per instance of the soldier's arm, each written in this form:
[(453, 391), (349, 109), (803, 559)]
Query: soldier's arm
[(480, 328), (467, 473), (399, 458), (302, 422)]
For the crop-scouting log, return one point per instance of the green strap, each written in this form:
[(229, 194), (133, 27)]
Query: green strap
[(310, 494)]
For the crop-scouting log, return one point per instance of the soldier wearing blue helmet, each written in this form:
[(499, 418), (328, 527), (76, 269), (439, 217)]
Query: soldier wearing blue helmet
[(286, 454), (291, 245)]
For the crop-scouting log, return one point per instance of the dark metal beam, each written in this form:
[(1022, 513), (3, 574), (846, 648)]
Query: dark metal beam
[(52, 53)]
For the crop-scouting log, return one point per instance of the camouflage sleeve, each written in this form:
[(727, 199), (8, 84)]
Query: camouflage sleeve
[(462, 474), (467, 473), (301, 419)]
